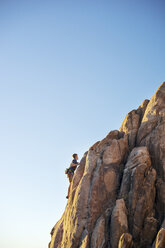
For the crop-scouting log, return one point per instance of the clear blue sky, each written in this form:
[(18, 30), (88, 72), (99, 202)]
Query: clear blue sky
[(69, 73)]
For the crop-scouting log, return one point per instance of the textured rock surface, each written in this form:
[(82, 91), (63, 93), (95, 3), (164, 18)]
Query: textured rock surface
[(160, 239), (125, 241), (117, 196), (119, 223), (152, 134), (132, 122), (138, 190), (98, 238)]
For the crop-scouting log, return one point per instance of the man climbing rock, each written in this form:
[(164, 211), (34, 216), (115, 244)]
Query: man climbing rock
[(71, 169)]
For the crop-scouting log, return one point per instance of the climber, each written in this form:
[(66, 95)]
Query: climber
[(71, 169)]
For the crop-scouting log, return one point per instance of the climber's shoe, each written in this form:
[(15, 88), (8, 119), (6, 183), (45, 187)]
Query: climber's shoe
[(67, 197)]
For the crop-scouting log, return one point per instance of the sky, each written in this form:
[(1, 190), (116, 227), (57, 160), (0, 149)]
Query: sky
[(69, 73)]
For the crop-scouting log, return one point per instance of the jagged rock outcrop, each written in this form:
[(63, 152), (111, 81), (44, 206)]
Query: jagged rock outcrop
[(117, 196), (132, 123), (152, 135)]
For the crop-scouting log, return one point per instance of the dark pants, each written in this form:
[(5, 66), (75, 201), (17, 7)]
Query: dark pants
[(70, 177)]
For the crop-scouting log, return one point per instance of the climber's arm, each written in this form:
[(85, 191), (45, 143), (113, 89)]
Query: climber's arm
[(74, 165)]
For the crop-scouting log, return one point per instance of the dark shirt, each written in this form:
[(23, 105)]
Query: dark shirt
[(72, 168), (74, 161)]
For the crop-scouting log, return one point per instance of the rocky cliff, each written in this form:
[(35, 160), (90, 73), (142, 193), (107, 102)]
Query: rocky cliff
[(118, 192)]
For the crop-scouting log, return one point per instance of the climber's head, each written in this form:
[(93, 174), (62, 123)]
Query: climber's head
[(75, 156)]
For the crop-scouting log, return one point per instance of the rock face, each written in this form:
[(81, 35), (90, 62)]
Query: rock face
[(138, 190), (125, 241), (160, 239), (117, 196), (119, 222)]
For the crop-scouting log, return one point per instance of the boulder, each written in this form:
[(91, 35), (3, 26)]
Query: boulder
[(116, 152)]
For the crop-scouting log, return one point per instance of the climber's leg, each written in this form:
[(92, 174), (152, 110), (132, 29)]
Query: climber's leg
[(70, 176)]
